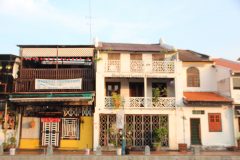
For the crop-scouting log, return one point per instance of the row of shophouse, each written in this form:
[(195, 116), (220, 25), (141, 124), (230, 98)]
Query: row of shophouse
[(63, 95)]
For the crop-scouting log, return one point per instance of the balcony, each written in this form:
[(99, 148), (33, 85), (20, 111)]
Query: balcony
[(26, 82), (142, 102), (140, 66), (66, 73)]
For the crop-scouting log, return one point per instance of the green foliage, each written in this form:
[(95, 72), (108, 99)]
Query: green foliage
[(117, 100), (160, 134)]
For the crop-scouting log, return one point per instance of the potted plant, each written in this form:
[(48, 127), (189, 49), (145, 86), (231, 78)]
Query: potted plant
[(129, 140), (12, 142), (117, 100), (115, 140), (238, 142), (159, 135)]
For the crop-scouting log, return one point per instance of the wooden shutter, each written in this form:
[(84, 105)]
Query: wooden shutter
[(113, 56), (193, 77), (136, 56), (158, 57), (215, 122)]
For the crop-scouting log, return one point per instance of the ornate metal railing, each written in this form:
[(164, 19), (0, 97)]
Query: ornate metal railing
[(112, 66), (142, 102), (140, 66), (163, 66)]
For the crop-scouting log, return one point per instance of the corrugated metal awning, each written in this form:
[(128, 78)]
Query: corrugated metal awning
[(54, 52)]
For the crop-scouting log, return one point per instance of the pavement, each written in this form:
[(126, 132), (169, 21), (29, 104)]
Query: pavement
[(134, 155)]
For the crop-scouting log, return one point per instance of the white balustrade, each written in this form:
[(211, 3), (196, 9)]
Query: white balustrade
[(141, 66), (141, 102)]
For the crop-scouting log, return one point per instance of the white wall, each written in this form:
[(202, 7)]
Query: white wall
[(223, 80), (207, 76), (220, 139)]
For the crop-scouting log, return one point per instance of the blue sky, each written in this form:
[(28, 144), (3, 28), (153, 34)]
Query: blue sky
[(207, 26)]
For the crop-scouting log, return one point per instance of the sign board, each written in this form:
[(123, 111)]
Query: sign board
[(58, 84), (120, 119)]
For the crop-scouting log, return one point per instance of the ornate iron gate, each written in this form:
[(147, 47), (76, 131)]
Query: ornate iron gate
[(138, 128), (50, 133)]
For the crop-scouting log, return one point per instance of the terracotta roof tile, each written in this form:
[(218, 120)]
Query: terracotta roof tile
[(184, 55), (204, 97), (233, 65), (191, 56), (131, 47)]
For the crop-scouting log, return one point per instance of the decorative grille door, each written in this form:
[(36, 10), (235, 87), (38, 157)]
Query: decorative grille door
[(50, 133)]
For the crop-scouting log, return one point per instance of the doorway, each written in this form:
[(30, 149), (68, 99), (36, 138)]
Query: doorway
[(195, 131), (50, 131)]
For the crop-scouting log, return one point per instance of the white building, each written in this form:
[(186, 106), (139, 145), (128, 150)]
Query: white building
[(188, 104), (228, 81)]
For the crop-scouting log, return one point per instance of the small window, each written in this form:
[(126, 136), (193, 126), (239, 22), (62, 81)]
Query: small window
[(215, 123), (70, 128), (193, 77), (198, 112), (236, 83), (113, 56), (112, 87)]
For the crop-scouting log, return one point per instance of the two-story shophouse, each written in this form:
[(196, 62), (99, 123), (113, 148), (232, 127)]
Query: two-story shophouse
[(228, 81), (145, 77), (54, 95), (159, 87), (206, 117)]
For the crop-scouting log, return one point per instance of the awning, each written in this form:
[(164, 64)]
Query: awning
[(205, 98), (52, 97)]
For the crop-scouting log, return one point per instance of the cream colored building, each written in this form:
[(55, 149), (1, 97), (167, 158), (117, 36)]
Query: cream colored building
[(134, 71)]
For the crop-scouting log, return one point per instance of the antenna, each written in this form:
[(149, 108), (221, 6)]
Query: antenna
[(90, 21)]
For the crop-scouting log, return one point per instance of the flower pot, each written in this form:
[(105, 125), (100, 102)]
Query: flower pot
[(119, 151), (182, 147), (12, 151), (238, 143), (87, 151)]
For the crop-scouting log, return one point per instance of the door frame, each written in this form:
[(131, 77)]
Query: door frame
[(200, 135)]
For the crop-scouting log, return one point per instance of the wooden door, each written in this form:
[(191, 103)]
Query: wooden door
[(195, 131), (136, 89), (50, 133)]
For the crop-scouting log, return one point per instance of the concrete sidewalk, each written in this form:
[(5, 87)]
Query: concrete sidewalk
[(137, 155)]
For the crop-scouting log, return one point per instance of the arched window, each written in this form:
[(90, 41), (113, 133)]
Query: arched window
[(193, 78)]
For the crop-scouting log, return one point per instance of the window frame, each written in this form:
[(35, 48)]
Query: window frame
[(212, 120), (112, 84), (193, 77)]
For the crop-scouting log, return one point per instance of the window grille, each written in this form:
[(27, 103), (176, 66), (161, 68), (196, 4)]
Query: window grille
[(70, 128)]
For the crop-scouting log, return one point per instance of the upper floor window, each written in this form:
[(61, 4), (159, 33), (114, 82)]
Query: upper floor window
[(193, 77), (112, 87), (134, 56), (113, 56), (158, 57), (236, 83)]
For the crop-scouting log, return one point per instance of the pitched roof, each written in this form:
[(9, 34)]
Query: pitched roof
[(233, 65), (191, 56), (204, 97), (184, 55), (131, 47)]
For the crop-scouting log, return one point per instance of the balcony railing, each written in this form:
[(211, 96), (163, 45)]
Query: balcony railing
[(142, 102), (136, 66), (66, 73), (26, 82)]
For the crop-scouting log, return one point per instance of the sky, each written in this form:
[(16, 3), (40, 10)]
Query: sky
[(210, 27)]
